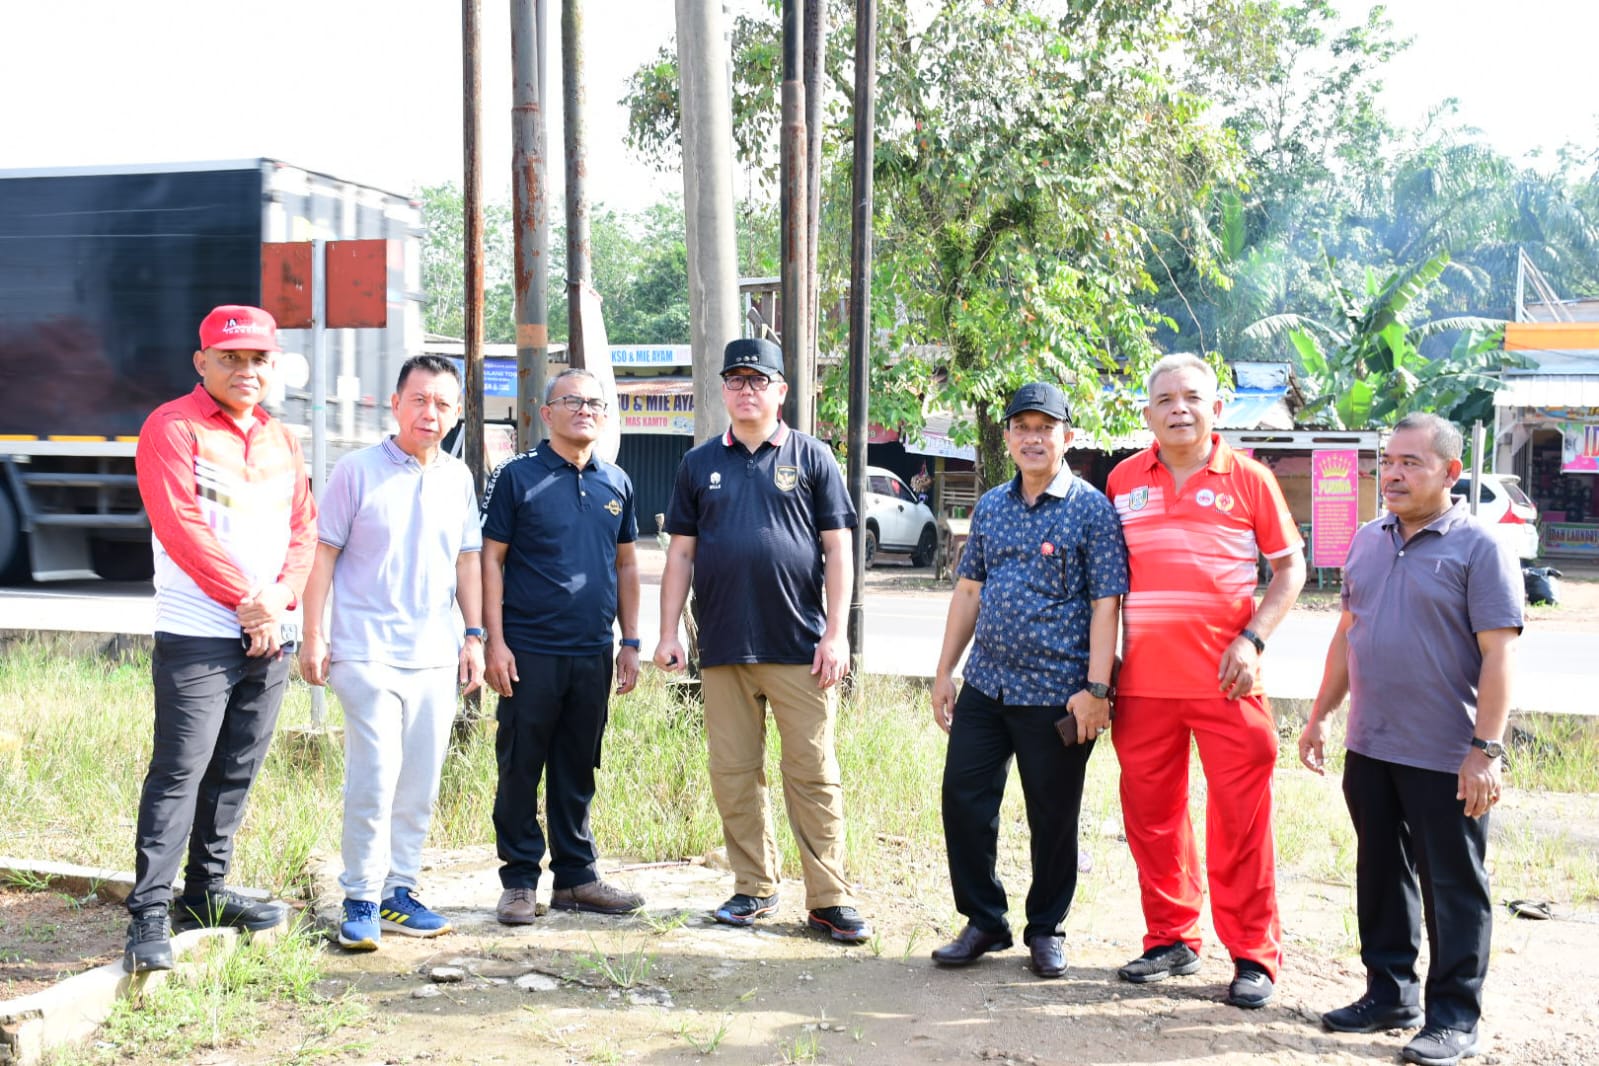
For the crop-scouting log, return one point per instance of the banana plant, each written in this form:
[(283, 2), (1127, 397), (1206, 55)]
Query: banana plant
[(1367, 370)]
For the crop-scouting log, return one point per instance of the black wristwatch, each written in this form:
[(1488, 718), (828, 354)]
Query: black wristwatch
[(1491, 748), (1254, 638), (1097, 689)]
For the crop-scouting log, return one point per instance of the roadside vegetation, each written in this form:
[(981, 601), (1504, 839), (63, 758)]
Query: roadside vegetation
[(69, 791)]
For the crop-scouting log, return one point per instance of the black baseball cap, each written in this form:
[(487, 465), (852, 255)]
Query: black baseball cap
[(755, 353), (1038, 396)]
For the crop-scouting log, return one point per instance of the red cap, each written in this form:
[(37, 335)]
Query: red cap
[(238, 326)]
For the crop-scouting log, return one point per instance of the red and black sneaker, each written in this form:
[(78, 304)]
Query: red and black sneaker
[(841, 923)]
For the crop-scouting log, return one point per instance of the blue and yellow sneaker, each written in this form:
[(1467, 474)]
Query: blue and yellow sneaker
[(359, 931), (403, 913)]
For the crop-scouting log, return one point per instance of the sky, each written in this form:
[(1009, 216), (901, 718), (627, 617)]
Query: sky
[(371, 92)]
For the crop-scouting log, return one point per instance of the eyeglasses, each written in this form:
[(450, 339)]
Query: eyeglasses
[(594, 405), (738, 382)]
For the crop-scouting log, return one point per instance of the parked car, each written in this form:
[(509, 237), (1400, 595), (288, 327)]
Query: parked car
[(1506, 510), (897, 520)]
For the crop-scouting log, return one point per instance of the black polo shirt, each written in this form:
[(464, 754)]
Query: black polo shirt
[(561, 526), (757, 519)]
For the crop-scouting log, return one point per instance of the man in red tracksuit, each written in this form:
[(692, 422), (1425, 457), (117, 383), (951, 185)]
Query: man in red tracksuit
[(1196, 516)]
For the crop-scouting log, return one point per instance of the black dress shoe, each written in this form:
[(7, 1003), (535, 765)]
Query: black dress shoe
[(969, 946), (1369, 1016), (1049, 955)]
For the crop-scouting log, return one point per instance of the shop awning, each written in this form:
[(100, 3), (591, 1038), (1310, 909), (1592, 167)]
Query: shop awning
[(1549, 390)]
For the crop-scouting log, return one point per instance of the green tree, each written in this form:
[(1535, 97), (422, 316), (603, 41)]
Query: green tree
[(443, 275)]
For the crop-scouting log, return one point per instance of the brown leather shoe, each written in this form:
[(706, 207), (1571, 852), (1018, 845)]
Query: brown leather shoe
[(970, 945), (518, 906), (1049, 955), (597, 897)]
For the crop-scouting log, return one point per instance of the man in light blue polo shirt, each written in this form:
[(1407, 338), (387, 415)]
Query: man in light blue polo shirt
[(399, 548)]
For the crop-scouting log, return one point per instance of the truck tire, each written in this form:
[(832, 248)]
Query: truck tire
[(13, 544), (122, 560)]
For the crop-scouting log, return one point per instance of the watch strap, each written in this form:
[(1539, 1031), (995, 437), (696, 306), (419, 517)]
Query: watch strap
[(1254, 638), (477, 631), (631, 642)]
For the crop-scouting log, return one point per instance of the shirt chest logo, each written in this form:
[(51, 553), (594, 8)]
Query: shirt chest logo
[(716, 479), (1224, 502), (614, 507), (1204, 497), (786, 477), (1139, 499)]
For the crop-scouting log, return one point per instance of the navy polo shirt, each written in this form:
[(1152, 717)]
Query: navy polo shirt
[(1041, 566), (561, 526), (757, 520)]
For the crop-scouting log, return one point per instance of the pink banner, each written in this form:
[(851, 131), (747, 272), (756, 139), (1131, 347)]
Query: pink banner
[(1334, 505)]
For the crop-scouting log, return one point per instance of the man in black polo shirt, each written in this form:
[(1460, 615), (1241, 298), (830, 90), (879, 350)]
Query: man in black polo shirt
[(760, 522), (558, 569)]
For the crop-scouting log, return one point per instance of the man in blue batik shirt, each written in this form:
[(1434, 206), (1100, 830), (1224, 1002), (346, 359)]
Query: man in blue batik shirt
[(1040, 585)]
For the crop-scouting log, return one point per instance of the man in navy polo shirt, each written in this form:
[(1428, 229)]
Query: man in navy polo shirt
[(558, 570), (1424, 649), (1040, 585), (760, 522)]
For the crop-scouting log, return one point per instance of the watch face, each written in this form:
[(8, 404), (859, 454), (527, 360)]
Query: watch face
[(1098, 690)]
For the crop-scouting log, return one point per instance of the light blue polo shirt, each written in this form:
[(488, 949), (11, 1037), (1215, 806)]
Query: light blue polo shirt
[(400, 528)]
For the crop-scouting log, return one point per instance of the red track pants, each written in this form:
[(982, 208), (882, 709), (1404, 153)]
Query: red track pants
[(1238, 749)]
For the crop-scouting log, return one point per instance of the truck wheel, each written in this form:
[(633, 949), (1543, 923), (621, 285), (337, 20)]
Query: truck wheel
[(926, 546), (122, 560), (13, 544)]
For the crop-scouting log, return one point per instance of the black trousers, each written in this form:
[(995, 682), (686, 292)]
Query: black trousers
[(550, 728), (984, 737), (1418, 854), (215, 709)]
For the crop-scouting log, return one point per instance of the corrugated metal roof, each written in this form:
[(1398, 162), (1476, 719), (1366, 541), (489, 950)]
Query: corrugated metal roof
[(1549, 390)]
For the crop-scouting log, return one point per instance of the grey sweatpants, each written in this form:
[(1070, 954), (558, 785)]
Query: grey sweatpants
[(396, 732)]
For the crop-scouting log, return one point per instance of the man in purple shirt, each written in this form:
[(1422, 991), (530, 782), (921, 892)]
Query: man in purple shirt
[(1432, 609)]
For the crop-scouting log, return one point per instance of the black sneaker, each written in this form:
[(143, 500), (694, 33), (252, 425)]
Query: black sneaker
[(1366, 1015), (1438, 1046), (743, 910), (841, 923), (149, 941), (228, 909), (1252, 986), (1157, 964)]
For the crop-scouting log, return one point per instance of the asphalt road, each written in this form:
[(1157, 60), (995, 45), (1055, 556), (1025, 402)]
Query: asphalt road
[(903, 634)]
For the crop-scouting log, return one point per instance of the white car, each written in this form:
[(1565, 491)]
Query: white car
[(1505, 510), (897, 520)]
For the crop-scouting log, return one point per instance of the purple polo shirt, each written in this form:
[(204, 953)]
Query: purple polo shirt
[(1413, 656)]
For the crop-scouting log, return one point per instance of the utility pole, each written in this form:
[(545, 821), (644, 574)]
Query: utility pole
[(530, 207), (705, 94), (815, 59), (860, 298), (579, 272), (799, 367), (472, 229)]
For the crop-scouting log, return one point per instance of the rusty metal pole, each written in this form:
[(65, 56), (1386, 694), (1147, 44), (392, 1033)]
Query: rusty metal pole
[(579, 273), (815, 58), (472, 231), (860, 298), (800, 368), (530, 207)]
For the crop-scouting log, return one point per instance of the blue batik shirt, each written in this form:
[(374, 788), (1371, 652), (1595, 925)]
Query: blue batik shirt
[(1041, 566)]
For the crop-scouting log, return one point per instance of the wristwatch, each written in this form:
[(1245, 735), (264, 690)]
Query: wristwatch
[(1254, 638), (478, 632), (631, 642), (1491, 748), (1098, 689)]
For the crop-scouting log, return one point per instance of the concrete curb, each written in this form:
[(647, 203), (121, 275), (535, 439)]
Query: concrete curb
[(71, 1011)]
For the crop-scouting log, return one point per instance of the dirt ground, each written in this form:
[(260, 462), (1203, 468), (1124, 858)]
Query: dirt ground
[(675, 987), (48, 935)]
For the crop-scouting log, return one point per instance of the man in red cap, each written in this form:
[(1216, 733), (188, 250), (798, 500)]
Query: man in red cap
[(234, 535)]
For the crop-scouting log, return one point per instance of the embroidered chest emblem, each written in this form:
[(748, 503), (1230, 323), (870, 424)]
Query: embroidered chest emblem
[(1224, 502), (1139, 499), (1204, 497), (614, 507), (716, 479), (786, 477)]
